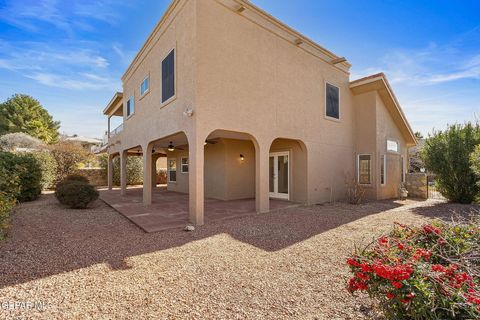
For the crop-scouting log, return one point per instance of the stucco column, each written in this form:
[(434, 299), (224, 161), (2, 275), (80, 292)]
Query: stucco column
[(123, 172), (147, 175), (195, 179), (110, 172), (154, 170), (262, 196)]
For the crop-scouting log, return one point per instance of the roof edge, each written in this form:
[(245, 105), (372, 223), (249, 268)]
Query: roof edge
[(109, 105), (383, 78)]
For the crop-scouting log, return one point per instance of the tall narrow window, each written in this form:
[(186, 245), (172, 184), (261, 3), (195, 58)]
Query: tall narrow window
[(145, 86), (130, 106), (172, 170), (332, 101), (364, 169), (383, 169), (168, 76), (402, 170)]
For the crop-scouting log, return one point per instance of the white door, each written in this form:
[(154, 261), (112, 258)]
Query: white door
[(279, 168)]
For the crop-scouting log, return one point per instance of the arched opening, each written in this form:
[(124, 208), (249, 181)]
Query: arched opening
[(288, 170)]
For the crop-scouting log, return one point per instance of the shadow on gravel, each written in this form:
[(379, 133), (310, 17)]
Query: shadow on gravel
[(446, 210), (48, 239)]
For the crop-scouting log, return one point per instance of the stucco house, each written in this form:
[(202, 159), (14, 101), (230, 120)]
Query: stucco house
[(242, 106)]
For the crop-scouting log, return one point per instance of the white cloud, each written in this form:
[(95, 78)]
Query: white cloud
[(81, 82)]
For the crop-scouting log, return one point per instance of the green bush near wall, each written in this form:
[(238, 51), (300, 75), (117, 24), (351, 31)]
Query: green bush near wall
[(48, 166), (29, 173), (448, 154), (134, 169)]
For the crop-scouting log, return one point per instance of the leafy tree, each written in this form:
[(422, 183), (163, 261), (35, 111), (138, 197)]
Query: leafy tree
[(68, 156), (447, 154), (22, 113)]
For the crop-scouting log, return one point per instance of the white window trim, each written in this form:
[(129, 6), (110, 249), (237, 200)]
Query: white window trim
[(392, 151), (169, 170), (172, 98), (132, 97), (384, 170), (141, 83), (325, 102), (181, 165), (358, 169)]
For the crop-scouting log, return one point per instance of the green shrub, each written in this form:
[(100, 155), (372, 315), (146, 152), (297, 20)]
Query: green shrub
[(29, 175), (76, 194), (428, 272), (134, 169), (77, 177), (48, 166), (447, 154), (6, 206)]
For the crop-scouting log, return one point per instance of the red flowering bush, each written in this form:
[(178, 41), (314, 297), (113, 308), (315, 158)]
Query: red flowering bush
[(428, 272)]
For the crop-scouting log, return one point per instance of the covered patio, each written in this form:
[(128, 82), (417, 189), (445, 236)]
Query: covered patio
[(169, 209)]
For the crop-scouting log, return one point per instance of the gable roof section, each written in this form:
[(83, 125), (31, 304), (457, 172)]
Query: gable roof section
[(378, 82)]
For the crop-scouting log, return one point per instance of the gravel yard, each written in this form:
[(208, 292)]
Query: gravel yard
[(95, 264)]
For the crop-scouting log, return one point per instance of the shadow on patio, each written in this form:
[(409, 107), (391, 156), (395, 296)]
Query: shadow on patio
[(169, 210), (48, 239)]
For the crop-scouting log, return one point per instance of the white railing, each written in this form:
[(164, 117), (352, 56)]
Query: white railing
[(116, 131)]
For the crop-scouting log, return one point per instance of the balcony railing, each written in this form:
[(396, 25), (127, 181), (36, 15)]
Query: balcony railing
[(116, 131)]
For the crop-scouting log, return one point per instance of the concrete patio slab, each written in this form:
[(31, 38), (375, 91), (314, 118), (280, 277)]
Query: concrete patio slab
[(169, 210)]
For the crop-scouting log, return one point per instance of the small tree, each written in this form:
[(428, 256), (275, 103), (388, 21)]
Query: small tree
[(22, 113), (447, 154), (68, 156)]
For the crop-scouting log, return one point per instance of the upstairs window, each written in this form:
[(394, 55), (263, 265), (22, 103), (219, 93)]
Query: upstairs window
[(364, 166), (168, 76), (332, 101), (145, 86), (130, 106), (392, 146)]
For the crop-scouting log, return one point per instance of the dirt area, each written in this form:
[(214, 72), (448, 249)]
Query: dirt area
[(96, 264)]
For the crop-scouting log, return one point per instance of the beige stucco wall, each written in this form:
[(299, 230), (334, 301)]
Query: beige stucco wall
[(256, 82), (387, 130), (226, 176), (236, 75)]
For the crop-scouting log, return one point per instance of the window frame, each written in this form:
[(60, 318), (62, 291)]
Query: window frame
[(182, 165), (172, 98), (325, 102), (383, 165), (141, 84), (170, 170), (132, 99), (358, 169), (393, 151)]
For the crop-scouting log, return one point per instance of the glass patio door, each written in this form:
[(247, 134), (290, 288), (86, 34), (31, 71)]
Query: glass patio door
[(279, 168)]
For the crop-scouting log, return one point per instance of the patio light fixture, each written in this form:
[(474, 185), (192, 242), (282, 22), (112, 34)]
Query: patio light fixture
[(171, 147), (242, 157)]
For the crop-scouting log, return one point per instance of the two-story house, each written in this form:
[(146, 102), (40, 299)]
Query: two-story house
[(243, 106)]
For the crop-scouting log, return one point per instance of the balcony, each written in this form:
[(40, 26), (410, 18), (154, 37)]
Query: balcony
[(116, 131)]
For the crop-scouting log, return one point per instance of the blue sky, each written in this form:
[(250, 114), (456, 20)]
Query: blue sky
[(71, 54)]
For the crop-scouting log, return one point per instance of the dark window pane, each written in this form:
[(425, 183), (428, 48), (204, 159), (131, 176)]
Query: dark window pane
[(168, 76), (332, 101)]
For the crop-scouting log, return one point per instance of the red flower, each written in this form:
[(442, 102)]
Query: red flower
[(400, 246), (397, 285), (383, 241), (438, 268), (353, 262), (431, 229), (390, 295), (363, 276), (354, 284)]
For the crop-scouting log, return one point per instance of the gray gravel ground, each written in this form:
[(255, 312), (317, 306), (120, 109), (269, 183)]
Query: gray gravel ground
[(95, 264)]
